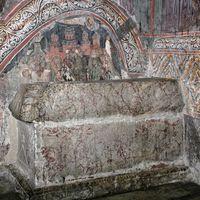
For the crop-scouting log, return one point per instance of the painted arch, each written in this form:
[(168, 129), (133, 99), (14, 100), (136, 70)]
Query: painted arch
[(25, 21)]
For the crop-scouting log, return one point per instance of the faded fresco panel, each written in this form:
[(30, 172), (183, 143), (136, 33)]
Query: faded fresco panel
[(182, 15), (79, 49)]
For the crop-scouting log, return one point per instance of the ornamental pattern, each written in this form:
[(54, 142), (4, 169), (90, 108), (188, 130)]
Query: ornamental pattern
[(178, 43), (135, 62), (38, 12), (185, 68)]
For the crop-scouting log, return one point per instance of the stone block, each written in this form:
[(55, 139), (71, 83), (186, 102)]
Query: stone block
[(63, 101), (83, 148), (121, 183)]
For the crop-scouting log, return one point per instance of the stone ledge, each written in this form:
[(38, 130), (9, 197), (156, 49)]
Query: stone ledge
[(109, 119), (99, 187)]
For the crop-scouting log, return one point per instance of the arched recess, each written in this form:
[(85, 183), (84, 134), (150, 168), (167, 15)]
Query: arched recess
[(33, 15)]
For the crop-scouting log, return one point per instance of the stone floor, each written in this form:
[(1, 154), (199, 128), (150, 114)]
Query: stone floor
[(10, 196), (177, 191)]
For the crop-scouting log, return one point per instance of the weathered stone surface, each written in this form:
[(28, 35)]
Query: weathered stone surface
[(10, 184), (7, 182), (4, 143), (63, 101), (26, 150), (22, 180), (192, 134), (72, 150), (192, 128), (92, 188), (187, 191)]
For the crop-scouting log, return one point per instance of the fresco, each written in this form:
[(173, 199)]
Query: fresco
[(183, 64), (31, 18), (80, 51)]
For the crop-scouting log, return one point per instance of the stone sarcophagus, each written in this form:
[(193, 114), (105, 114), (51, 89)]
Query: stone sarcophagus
[(99, 129)]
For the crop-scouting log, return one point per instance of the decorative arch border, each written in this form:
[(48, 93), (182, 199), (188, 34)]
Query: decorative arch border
[(24, 22)]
